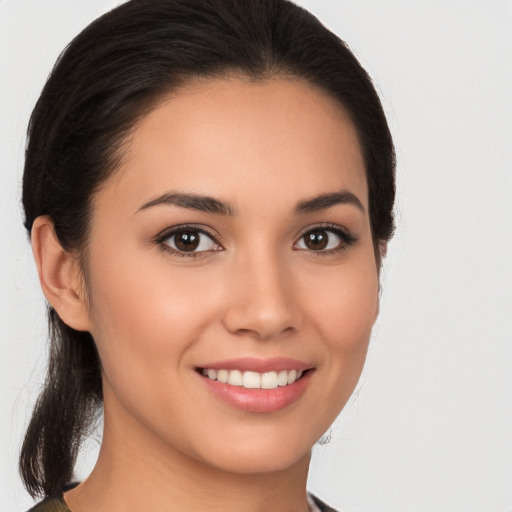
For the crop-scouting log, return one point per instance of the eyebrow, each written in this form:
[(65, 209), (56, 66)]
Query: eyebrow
[(191, 201), (211, 205), (325, 201)]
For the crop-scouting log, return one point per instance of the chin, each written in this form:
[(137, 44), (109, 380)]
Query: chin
[(259, 450), (262, 461)]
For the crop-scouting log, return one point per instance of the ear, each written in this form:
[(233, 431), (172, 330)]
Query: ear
[(59, 275), (383, 249)]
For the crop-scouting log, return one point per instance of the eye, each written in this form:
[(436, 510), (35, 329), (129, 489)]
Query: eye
[(325, 239), (189, 240)]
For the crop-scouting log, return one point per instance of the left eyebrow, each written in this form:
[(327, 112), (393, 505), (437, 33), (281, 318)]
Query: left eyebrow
[(190, 201), (325, 201)]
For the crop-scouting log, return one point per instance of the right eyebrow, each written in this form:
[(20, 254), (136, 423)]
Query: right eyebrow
[(192, 201), (325, 201)]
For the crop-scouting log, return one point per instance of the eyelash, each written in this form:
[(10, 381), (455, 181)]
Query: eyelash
[(347, 239), (164, 237)]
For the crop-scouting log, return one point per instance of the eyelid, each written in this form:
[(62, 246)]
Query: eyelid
[(173, 230), (348, 238)]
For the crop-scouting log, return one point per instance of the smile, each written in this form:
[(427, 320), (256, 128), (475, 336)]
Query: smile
[(257, 385), (253, 380)]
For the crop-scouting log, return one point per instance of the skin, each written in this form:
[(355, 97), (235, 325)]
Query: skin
[(257, 291)]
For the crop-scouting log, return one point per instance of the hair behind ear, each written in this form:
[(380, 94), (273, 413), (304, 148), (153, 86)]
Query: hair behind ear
[(64, 412)]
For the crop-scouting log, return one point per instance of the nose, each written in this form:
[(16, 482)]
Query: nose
[(263, 300)]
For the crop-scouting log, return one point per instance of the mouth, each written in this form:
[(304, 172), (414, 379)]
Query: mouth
[(253, 380), (257, 386)]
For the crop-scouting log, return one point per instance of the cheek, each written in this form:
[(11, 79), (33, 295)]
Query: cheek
[(344, 314), (347, 304), (145, 319), (143, 314)]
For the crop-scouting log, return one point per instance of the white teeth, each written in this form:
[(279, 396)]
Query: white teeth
[(282, 378), (292, 376), (235, 378), (269, 380), (253, 380), (222, 376)]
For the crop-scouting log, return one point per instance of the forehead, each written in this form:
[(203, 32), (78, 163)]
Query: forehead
[(236, 140)]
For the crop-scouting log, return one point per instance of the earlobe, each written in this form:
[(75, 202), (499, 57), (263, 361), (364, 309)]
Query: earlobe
[(383, 249), (59, 275)]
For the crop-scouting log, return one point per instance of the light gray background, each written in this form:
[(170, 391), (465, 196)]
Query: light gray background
[(431, 428)]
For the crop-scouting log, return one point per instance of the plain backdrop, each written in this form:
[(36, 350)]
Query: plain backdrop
[(431, 426)]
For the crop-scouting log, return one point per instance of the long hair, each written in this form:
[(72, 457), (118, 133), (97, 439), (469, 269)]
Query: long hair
[(112, 74)]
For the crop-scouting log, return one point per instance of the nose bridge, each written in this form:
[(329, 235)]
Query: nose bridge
[(262, 296)]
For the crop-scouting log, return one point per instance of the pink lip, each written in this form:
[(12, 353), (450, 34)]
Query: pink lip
[(252, 364), (259, 400)]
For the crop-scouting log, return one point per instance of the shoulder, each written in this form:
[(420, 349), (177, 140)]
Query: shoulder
[(319, 505), (56, 504)]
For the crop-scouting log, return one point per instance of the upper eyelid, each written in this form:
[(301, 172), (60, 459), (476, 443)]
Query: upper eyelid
[(348, 238), (215, 236), (170, 231), (327, 226)]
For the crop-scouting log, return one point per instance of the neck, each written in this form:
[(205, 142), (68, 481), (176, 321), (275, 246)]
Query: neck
[(136, 472)]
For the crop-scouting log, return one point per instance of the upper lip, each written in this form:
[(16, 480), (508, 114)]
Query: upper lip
[(252, 364)]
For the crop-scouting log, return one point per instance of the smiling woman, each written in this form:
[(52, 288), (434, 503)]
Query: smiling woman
[(208, 189)]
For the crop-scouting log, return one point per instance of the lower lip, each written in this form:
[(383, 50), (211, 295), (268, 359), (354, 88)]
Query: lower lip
[(259, 400)]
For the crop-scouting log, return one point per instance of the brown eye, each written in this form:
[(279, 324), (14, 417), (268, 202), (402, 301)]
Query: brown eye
[(325, 240), (316, 240), (189, 241), (186, 241)]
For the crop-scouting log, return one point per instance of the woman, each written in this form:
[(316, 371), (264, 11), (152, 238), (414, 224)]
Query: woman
[(208, 190)]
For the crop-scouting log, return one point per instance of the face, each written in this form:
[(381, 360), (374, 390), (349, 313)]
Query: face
[(231, 275)]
